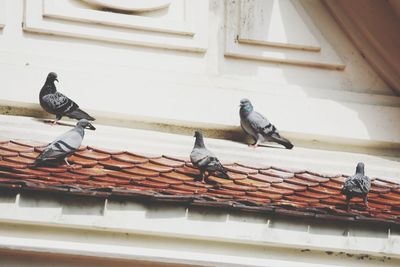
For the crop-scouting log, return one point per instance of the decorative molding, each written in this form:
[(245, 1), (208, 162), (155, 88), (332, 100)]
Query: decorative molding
[(262, 30), (132, 5), (2, 13), (186, 32)]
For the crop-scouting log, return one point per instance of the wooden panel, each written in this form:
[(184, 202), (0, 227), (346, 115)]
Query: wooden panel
[(183, 28), (275, 31)]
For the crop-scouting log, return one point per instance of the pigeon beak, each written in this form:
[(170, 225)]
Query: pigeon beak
[(56, 79), (91, 127)]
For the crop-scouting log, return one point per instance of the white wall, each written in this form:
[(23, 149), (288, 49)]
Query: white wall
[(69, 227), (303, 73)]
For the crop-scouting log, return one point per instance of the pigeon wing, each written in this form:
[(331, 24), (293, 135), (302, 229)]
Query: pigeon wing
[(62, 147), (199, 154), (261, 124), (59, 103), (358, 183)]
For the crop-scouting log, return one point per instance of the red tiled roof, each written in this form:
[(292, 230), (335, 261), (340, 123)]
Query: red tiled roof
[(251, 187)]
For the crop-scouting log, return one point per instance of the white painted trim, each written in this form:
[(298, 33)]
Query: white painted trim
[(3, 8), (34, 22), (178, 223), (241, 48), (61, 10), (308, 42), (138, 6)]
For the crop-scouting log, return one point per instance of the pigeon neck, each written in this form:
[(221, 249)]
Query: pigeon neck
[(245, 110), (80, 130), (199, 141), (360, 169), (49, 87)]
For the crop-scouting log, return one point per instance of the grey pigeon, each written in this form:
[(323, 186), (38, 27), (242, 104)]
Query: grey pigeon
[(57, 103), (357, 185), (65, 145), (256, 125), (205, 160)]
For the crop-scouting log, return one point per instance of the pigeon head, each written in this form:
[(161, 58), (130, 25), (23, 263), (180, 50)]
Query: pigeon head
[(246, 105), (198, 133), (84, 123), (51, 77), (360, 168)]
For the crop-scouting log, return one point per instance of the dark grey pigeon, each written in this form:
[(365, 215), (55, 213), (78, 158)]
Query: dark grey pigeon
[(205, 160), (57, 103), (256, 125), (65, 145), (357, 185)]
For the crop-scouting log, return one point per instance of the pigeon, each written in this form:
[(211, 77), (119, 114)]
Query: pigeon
[(256, 125), (205, 160), (65, 145), (357, 185), (57, 103)]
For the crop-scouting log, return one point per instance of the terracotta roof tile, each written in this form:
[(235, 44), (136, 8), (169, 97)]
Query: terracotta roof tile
[(232, 186), (188, 170), (98, 172), (167, 162), (274, 190), (194, 189), (392, 196), (125, 157), (177, 176), (266, 178), (254, 165), (92, 172), (165, 180), (214, 179), (312, 178), (11, 174), (265, 195), (115, 164), (82, 161), (310, 201), (15, 147), (154, 167), (19, 160), (7, 153), (251, 182), (277, 173), (228, 192), (288, 186), (298, 181), (28, 143), (105, 151), (139, 171), (236, 176), (241, 169), (155, 185), (324, 190), (90, 154)]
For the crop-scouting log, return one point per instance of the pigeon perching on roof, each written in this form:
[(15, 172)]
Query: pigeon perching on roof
[(65, 145), (58, 104), (357, 185), (205, 160), (258, 127)]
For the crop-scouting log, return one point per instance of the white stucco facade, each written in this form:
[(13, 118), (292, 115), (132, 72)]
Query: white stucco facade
[(166, 65), (176, 66)]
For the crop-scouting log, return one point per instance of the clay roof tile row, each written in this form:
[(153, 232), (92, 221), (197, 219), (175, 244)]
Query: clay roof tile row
[(252, 187)]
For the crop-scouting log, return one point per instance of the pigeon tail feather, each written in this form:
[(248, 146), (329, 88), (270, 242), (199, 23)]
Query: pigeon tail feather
[(80, 114), (282, 141)]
